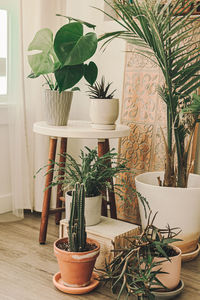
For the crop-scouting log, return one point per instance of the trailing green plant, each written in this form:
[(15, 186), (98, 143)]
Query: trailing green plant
[(163, 32), (94, 172), (76, 228), (133, 270), (61, 59), (100, 90)]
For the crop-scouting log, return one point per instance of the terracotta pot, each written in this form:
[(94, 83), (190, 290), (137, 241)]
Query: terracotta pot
[(76, 267), (92, 209), (178, 207), (172, 268), (104, 113), (57, 107)]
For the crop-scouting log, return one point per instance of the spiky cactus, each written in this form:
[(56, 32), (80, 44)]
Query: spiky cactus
[(76, 228)]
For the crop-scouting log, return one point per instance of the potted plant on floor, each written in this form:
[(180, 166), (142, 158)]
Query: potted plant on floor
[(104, 109), (62, 63), (94, 172), (148, 267), (160, 32), (76, 254)]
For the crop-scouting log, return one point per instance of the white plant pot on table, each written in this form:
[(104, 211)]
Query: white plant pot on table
[(178, 207), (57, 107), (104, 113), (92, 208)]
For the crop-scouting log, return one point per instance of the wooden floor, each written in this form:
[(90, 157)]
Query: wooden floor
[(26, 268)]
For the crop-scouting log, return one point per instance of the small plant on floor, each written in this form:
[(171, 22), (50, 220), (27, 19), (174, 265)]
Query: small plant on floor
[(100, 90), (134, 269)]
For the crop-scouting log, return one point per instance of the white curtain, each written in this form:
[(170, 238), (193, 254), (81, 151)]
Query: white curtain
[(28, 152)]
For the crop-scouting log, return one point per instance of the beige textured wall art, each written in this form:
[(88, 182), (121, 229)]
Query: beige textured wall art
[(144, 112)]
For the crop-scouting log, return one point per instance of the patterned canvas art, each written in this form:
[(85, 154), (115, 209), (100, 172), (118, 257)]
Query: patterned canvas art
[(144, 112)]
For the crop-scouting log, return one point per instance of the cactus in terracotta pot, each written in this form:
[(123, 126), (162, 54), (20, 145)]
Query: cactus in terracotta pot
[(75, 254), (76, 228)]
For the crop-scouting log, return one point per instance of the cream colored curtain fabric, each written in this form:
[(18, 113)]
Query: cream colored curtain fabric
[(29, 151)]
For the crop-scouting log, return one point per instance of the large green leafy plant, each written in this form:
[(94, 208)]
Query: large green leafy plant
[(163, 31), (134, 270), (61, 59)]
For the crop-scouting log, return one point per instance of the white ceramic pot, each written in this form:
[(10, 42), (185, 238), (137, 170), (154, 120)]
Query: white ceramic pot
[(92, 209), (57, 107), (104, 113), (178, 207)]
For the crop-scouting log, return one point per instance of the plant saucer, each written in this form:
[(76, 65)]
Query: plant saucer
[(191, 255), (58, 282), (170, 294)]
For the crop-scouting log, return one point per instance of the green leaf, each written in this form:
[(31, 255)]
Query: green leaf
[(46, 61), (90, 72), (68, 76), (76, 88), (43, 40), (41, 63), (160, 250), (32, 75), (72, 47), (89, 25)]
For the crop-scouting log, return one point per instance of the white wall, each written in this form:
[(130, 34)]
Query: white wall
[(110, 64)]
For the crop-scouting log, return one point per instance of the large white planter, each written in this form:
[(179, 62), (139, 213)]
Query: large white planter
[(92, 209), (104, 113), (178, 207), (57, 107)]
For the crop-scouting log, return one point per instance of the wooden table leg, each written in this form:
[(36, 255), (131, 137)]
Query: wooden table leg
[(47, 193), (104, 147), (63, 149)]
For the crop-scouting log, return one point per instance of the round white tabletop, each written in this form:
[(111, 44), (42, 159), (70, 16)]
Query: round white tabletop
[(81, 130)]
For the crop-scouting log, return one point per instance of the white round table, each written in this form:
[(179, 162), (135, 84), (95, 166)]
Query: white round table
[(81, 130)]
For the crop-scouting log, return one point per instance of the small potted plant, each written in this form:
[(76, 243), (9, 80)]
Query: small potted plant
[(104, 109), (61, 62), (76, 254), (94, 172), (150, 265)]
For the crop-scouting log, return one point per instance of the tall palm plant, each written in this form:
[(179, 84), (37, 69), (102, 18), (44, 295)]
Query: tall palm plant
[(163, 31)]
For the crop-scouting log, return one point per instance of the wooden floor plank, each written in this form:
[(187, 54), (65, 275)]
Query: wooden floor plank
[(27, 267)]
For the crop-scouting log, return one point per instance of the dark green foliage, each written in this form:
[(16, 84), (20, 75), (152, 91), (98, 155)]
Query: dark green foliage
[(165, 33), (100, 90), (93, 171), (76, 228), (194, 106), (133, 268)]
